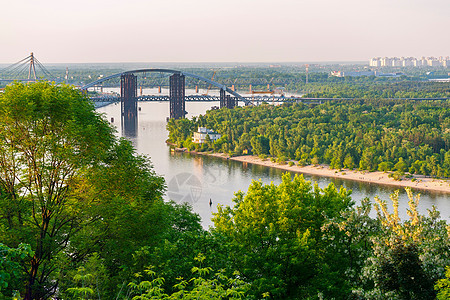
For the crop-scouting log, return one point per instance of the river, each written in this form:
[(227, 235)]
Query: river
[(197, 179)]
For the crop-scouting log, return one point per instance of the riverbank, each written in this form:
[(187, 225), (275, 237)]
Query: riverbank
[(417, 182), (420, 183)]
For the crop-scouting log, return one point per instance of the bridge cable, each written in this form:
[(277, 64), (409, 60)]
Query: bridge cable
[(21, 67)]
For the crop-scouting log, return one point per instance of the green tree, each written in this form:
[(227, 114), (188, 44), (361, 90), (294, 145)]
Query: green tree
[(126, 212), (48, 135), (408, 257), (274, 234), (349, 162), (401, 166), (350, 245), (385, 166)]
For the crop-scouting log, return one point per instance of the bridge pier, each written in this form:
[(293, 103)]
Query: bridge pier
[(223, 100), (176, 94), (230, 102), (128, 100), (226, 100)]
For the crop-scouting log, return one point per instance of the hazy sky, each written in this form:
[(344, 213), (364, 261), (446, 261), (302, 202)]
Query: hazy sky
[(61, 31)]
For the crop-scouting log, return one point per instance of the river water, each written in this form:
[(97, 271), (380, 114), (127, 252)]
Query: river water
[(199, 179)]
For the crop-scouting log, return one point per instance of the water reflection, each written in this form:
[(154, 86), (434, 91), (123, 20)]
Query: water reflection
[(129, 122)]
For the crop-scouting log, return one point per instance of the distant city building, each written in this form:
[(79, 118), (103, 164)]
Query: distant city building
[(386, 62), (396, 62), (202, 133), (375, 62), (409, 62), (433, 62)]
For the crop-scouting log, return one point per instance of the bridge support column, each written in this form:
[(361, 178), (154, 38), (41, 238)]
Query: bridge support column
[(223, 101), (177, 104), (128, 100), (230, 102)]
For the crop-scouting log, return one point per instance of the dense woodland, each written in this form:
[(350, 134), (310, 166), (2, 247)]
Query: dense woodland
[(348, 88), (385, 135), (82, 214)]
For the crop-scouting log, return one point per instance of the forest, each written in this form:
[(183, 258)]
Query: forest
[(402, 136), (82, 214), (383, 90)]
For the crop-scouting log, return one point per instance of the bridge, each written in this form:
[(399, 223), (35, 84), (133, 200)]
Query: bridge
[(213, 98), (177, 98), (128, 81), (227, 97)]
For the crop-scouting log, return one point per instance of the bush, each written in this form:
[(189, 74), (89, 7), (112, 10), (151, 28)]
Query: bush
[(281, 160)]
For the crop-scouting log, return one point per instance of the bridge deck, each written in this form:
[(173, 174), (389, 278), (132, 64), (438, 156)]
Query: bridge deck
[(204, 98), (255, 99)]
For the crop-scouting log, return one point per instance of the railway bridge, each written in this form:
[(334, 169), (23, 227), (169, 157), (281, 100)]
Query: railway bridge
[(128, 91)]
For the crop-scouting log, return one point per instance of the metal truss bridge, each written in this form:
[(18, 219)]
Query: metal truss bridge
[(212, 98)]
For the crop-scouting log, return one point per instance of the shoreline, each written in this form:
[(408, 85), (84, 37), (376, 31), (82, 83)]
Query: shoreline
[(377, 177), (380, 178)]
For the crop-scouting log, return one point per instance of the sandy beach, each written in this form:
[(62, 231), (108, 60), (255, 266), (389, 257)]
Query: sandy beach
[(420, 183)]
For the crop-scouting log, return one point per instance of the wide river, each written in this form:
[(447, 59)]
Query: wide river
[(199, 179)]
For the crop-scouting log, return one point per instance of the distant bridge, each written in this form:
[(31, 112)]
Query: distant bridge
[(252, 99), (177, 97), (211, 98), (174, 72)]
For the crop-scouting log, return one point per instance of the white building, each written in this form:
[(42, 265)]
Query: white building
[(386, 62), (396, 62), (433, 62), (375, 62), (408, 62), (202, 133), (423, 61)]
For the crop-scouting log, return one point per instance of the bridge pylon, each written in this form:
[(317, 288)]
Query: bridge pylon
[(226, 100), (230, 102), (128, 100), (222, 98), (176, 95)]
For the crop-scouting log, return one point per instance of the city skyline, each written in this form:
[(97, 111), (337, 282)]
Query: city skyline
[(222, 31)]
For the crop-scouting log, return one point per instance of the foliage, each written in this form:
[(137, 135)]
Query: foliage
[(349, 244), (370, 89), (443, 286), (203, 285), (275, 235), (69, 189), (48, 135), (10, 271), (408, 257)]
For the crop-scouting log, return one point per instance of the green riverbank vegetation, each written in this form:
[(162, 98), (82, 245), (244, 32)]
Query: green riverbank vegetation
[(403, 136)]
